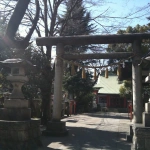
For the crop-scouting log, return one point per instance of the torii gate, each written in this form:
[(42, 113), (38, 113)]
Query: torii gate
[(61, 41)]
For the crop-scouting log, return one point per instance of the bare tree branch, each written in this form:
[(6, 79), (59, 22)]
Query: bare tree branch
[(45, 18), (34, 22)]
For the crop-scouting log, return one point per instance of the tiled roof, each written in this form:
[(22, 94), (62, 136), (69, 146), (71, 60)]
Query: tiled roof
[(108, 85)]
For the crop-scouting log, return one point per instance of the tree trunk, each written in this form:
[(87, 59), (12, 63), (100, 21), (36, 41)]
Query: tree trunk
[(45, 106), (16, 18), (46, 87)]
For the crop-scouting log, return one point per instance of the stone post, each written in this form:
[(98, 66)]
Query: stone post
[(137, 83), (57, 103), (56, 127)]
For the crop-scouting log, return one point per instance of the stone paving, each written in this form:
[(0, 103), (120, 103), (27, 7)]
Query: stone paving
[(92, 131)]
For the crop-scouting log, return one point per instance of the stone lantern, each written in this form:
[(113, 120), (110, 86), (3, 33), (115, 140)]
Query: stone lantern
[(17, 127), (16, 104)]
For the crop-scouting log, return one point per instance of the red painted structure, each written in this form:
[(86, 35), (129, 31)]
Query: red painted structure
[(72, 107), (130, 109), (110, 100)]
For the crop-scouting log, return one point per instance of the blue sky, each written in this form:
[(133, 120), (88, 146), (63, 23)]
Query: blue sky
[(135, 10)]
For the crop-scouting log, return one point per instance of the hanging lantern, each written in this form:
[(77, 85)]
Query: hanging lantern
[(72, 70), (87, 71), (78, 68), (123, 64), (83, 73), (118, 70), (68, 65), (64, 67), (95, 77), (106, 73)]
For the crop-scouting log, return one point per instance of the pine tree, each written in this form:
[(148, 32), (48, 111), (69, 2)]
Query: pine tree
[(78, 23)]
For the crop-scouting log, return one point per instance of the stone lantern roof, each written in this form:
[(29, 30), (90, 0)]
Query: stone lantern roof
[(16, 62)]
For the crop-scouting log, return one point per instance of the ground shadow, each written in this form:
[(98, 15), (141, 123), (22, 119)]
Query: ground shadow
[(108, 115), (81, 138)]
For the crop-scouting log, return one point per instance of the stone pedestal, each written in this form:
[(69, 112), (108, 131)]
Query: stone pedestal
[(141, 138), (146, 119), (56, 129), (16, 103), (20, 135), (12, 114)]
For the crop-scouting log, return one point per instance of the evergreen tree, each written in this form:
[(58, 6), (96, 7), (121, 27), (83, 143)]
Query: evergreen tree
[(81, 90), (78, 23), (127, 47)]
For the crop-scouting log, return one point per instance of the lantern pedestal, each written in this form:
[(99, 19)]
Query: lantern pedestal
[(20, 135), (17, 129), (16, 103)]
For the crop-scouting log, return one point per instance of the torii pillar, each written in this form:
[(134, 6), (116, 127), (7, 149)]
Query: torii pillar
[(56, 127), (141, 126), (137, 83)]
